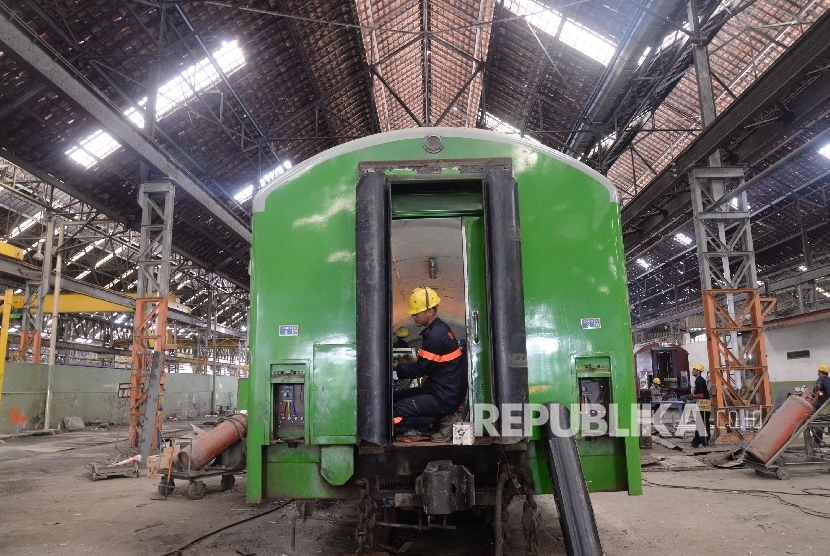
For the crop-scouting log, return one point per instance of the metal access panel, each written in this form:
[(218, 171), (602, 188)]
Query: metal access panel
[(333, 409)]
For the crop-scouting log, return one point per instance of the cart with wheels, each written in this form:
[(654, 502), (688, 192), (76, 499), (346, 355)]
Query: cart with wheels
[(783, 461), (219, 452), (195, 480)]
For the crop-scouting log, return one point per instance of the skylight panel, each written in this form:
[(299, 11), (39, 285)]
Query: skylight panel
[(573, 34), (171, 95), (111, 284), (643, 263), (536, 14), (279, 169), (496, 124), (245, 193), (683, 238), (26, 225), (96, 147), (825, 150), (586, 41), (642, 59)]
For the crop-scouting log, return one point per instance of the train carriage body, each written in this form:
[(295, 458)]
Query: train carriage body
[(319, 391)]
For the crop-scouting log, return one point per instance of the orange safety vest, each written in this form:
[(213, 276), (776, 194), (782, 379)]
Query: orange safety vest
[(452, 356)]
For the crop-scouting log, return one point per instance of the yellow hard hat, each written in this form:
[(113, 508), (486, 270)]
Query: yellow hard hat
[(823, 368), (698, 367), (421, 299), (657, 381), (402, 332)]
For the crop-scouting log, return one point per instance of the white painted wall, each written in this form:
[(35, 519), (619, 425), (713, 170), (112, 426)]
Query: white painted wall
[(813, 336)]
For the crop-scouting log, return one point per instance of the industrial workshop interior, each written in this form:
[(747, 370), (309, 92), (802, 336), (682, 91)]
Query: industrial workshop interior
[(422, 277)]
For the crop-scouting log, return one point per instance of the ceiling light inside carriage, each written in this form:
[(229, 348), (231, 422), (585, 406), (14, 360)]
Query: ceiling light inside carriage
[(432, 264)]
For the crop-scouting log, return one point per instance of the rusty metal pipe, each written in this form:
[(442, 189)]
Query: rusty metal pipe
[(204, 448)]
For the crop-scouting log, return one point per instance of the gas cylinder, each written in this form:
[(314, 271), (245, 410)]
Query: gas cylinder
[(207, 446), (793, 413)]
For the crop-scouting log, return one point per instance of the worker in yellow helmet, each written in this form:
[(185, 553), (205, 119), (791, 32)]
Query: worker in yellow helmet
[(401, 334), (701, 392), (822, 396), (439, 360), (656, 393)]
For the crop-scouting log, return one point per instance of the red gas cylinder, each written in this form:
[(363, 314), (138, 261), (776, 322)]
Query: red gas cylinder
[(207, 446), (793, 413)]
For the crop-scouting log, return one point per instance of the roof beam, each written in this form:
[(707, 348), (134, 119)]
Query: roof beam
[(51, 67), (788, 69), (24, 271), (110, 213)]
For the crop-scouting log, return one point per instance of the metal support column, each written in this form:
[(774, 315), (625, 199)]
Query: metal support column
[(150, 331), (735, 338), (735, 335), (46, 273), (4, 336)]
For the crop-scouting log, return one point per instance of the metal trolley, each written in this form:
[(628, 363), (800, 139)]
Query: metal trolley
[(782, 461)]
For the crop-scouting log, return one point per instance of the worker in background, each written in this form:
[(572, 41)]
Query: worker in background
[(701, 392), (822, 396), (656, 393), (439, 360), (401, 334)]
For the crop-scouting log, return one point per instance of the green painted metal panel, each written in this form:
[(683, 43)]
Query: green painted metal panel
[(298, 452), (426, 205), (242, 395), (333, 407), (337, 464), (478, 346), (300, 480)]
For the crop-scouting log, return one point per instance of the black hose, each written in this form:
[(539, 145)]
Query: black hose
[(179, 551)]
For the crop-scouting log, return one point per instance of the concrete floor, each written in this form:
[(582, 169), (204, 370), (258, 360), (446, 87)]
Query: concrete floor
[(51, 507)]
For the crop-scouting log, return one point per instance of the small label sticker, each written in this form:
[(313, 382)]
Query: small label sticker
[(289, 330), (591, 324)]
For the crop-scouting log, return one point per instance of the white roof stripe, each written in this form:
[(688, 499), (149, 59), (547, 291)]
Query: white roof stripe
[(420, 133)]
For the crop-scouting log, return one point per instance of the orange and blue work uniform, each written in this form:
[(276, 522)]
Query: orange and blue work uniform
[(440, 361)]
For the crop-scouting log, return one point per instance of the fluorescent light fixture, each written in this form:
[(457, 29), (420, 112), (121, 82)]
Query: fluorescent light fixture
[(497, 124), (171, 96), (683, 238), (825, 150), (82, 275), (573, 34), (802, 268), (643, 263)]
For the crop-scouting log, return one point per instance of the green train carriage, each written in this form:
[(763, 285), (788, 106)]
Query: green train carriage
[(524, 246)]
